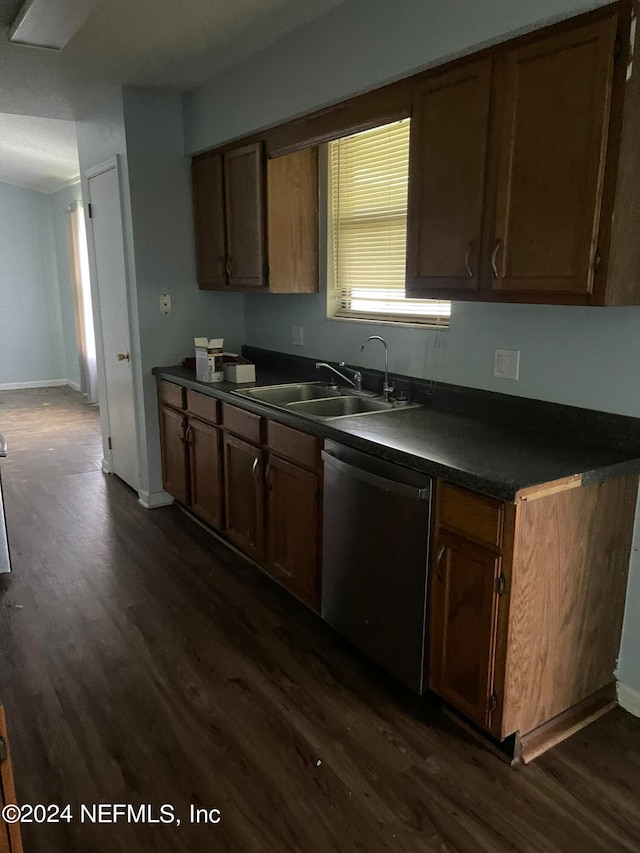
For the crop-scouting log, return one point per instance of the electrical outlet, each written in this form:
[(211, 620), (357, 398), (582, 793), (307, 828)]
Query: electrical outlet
[(506, 363), (297, 335), (165, 303)]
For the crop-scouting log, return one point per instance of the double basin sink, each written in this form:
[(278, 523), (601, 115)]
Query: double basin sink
[(316, 400)]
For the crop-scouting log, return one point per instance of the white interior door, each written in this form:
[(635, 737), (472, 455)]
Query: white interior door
[(111, 280)]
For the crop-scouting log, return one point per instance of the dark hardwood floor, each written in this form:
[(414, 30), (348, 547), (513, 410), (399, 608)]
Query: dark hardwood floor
[(143, 662)]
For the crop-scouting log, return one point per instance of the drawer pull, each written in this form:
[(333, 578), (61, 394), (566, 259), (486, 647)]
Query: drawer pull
[(254, 468)]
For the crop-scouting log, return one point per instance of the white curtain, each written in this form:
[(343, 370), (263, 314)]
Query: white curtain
[(79, 265)]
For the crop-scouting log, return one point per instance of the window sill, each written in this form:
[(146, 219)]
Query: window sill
[(416, 327)]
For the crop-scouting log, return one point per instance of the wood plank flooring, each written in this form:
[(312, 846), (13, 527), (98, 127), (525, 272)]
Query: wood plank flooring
[(143, 662)]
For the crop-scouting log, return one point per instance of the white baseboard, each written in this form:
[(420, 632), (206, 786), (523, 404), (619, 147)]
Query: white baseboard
[(74, 385), (629, 699), (152, 500), (41, 383)]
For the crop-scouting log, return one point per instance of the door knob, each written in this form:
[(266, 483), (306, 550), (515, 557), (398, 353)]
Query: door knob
[(123, 356)]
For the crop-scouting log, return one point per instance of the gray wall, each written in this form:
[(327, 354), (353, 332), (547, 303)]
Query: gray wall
[(59, 201), (160, 188), (585, 357), (31, 339), (144, 129)]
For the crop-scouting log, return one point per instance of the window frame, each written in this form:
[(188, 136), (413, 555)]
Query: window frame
[(335, 309)]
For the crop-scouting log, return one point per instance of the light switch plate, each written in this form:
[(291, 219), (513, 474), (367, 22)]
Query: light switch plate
[(506, 363), (297, 335), (165, 303)]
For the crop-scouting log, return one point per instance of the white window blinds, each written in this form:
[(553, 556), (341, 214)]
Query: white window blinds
[(368, 179)]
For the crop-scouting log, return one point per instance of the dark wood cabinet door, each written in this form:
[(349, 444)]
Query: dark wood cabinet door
[(244, 495), (175, 478), (448, 164), (552, 150), (209, 222), (205, 456), (244, 203), (463, 620), (293, 528)]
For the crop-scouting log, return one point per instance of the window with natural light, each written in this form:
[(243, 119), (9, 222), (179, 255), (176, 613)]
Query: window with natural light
[(368, 183)]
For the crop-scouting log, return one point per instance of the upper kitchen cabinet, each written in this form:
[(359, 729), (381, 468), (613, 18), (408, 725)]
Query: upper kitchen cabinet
[(244, 217), (522, 164), (209, 222), (552, 144), (256, 221), (448, 163)]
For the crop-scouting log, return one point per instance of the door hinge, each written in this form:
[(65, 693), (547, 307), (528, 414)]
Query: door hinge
[(109, 443), (90, 210), (493, 701), (501, 584)]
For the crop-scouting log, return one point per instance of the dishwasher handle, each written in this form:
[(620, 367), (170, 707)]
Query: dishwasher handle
[(413, 492)]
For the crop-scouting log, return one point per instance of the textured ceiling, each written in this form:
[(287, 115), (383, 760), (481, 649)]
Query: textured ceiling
[(175, 44), (38, 153)]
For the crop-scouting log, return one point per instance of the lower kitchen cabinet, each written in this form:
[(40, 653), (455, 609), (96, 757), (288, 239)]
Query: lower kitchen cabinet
[(244, 495), (175, 474), (192, 452), (293, 527), (464, 607), (205, 466), (526, 606)]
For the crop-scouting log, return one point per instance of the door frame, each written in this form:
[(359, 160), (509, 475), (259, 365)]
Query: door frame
[(107, 462)]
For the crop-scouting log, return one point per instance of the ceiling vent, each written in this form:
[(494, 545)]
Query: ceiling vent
[(50, 24)]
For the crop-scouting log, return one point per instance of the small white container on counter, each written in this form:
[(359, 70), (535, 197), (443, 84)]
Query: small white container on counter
[(239, 370)]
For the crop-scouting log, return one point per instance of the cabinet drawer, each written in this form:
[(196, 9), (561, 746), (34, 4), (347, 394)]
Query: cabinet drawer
[(244, 424), (202, 406), (171, 394), (474, 515), (294, 445)]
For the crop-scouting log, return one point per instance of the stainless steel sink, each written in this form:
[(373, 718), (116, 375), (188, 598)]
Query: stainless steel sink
[(282, 395), (341, 407), (315, 400)]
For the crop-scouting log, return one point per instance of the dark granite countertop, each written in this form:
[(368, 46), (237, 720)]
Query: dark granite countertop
[(497, 459)]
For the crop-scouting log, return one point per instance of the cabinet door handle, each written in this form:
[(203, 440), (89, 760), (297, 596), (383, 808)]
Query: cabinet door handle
[(254, 468), (228, 267), (267, 474), (181, 432), (439, 574), (494, 258), (189, 435), (467, 258)]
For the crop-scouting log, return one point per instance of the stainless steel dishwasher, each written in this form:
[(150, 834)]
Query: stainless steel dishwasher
[(375, 539)]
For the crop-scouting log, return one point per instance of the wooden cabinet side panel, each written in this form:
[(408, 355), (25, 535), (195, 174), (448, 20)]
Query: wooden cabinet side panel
[(209, 221), (448, 161), (553, 144), (292, 222), (570, 568)]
